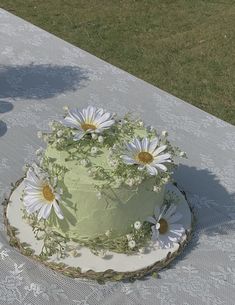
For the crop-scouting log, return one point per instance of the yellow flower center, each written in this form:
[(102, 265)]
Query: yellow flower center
[(163, 226), (87, 126), (47, 193), (144, 157)]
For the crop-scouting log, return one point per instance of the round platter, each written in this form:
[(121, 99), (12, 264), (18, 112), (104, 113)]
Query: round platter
[(113, 266)]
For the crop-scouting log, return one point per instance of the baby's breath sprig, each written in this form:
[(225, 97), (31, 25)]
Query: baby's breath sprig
[(114, 173)]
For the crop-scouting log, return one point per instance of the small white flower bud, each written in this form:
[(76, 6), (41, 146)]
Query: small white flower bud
[(141, 123), (39, 151), (25, 167), (98, 195), (150, 128), (74, 253), (45, 138), (182, 154), (59, 133), (138, 180), (113, 163), (60, 191), (165, 179), (164, 133), (101, 139), (131, 244), (50, 124), (89, 172), (156, 188), (94, 150), (39, 134), (108, 233), (59, 141), (94, 136), (130, 182), (66, 108), (101, 253), (117, 183), (28, 221), (142, 250), (129, 237), (84, 162), (137, 225)]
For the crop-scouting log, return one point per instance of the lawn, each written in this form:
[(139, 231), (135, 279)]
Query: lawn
[(185, 47)]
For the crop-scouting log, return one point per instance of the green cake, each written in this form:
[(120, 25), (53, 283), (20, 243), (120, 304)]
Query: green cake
[(87, 215), (99, 179)]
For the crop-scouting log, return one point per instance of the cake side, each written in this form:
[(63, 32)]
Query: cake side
[(87, 215)]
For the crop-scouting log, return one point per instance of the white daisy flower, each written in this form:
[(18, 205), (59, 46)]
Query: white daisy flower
[(40, 195), (147, 154), (166, 229), (89, 120)]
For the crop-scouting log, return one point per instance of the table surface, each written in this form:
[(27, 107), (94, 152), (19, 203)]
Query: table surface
[(39, 74)]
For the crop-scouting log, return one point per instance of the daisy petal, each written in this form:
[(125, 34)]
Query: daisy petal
[(177, 227), (151, 170), (137, 144), (106, 124), (159, 150), (155, 233), (151, 220), (128, 160), (153, 144), (157, 212), (145, 144), (33, 208), (47, 211), (161, 167), (79, 136), (161, 158), (41, 212), (175, 217), (58, 210), (170, 211)]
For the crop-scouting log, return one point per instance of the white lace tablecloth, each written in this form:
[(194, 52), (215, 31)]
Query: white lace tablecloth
[(39, 74)]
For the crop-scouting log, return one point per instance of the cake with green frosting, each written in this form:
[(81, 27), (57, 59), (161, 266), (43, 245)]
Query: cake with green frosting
[(98, 179)]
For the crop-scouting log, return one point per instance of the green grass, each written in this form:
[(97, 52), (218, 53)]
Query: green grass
[(185, 47)]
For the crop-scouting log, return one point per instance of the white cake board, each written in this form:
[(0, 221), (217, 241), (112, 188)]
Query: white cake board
[(86, 259)]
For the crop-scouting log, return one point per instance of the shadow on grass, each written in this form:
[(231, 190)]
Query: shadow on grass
[(40, 81)]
